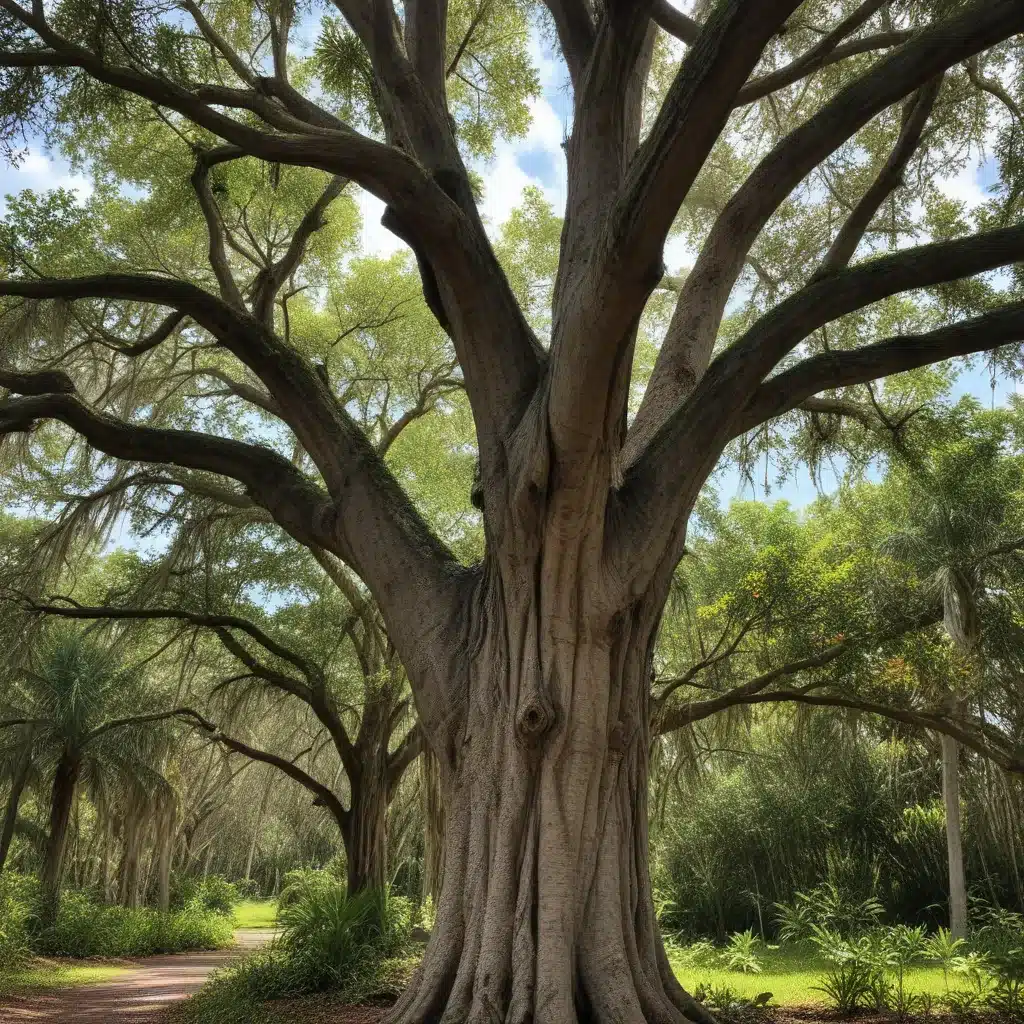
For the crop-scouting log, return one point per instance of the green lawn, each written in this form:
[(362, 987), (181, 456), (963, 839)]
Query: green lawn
[(256, 914), (40, 974), (790, 975)]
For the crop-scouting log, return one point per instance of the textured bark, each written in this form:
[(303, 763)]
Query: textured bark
[(18, 783), (365, 833), (546, 910), (62, 796), (954, 838), (433, 827)]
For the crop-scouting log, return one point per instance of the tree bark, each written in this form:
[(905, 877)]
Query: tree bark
[(365, 831), (546, 911), (62, 795), (18, 783), (433, 828), (954, 838)]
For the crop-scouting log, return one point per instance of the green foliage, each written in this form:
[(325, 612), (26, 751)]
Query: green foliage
[(741, 952), (329, 943), (826, 906), (213, 893), (17, 897), (86, 929)]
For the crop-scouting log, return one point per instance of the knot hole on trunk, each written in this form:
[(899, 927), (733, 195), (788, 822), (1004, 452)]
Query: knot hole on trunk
[(534, 719)]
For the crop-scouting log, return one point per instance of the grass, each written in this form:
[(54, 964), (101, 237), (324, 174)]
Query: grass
[(47, 974), (256, 914), (790, 974)]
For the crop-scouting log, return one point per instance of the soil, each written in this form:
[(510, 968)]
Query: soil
[(146, 988)]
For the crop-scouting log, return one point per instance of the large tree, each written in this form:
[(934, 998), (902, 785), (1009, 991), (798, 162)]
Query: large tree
[(531, 668)]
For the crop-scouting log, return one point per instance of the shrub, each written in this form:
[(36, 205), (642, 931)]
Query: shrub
[(17, 897), (329, 943), (829, 907), (213, 893), (87, 929), (741, 953), (850, 980)]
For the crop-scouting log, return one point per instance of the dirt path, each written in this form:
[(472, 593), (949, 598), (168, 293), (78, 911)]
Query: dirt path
[(140, 994)]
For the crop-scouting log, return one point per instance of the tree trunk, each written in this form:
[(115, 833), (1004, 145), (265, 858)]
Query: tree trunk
[(546, 911), (365, 831), (433, 827), (259, 825), (165, 833), (18, 783), (954, 839), (62, 796)]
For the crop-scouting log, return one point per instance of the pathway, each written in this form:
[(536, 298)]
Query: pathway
[(139, 995)]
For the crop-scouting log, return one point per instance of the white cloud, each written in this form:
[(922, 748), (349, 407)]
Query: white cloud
[(964, 186), (41, 173), (505, 179)]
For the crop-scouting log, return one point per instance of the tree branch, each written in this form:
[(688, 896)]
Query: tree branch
[(689, 342), (269, 281), (425, 40), (219, 43), (73, 610), (412, 745), (675, 23), (215, 231), (667, 719), (325, 795), (794, 387), (271, 480), (1011, 762), (890, 178), (370, 521), (822, 53), (576, 34), (622, 203)]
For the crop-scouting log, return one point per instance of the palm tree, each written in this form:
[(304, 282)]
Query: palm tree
[(71, 703), (960, 511)]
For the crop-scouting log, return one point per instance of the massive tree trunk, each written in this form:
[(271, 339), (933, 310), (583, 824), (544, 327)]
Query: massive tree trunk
[(546, 910), (954, 838), (62, 796), (18, 783)]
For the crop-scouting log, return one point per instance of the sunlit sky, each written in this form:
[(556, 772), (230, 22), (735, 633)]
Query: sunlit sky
[(538, 160)]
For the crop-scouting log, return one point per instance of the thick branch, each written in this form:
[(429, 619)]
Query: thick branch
[(576, 34), (675, 23), (829, 370), (42, 382), (425, 36), (370, 523), (271, 480), (688, 345)]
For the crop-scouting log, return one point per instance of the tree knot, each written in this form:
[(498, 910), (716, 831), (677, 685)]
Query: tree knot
[(533, 719)]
